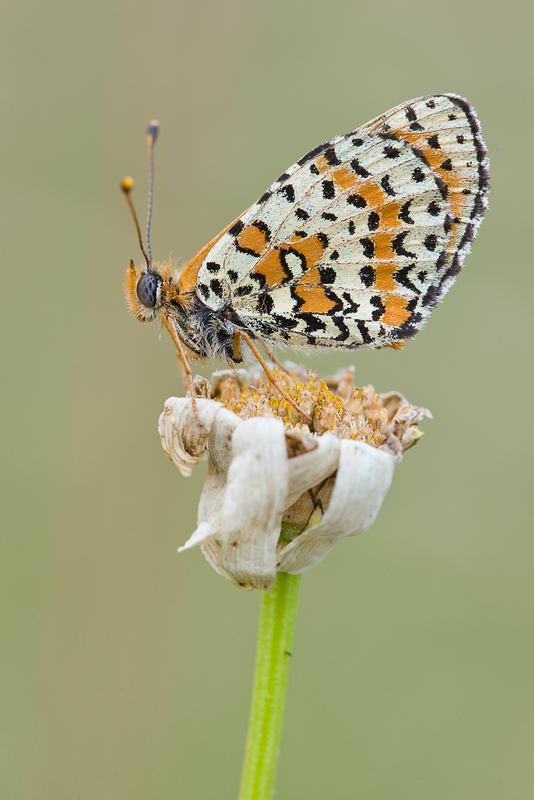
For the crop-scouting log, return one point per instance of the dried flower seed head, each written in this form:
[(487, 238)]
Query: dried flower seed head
[(279, 493)]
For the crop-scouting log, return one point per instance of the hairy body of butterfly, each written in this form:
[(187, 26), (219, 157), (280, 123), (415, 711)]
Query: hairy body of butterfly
[(351, 247)]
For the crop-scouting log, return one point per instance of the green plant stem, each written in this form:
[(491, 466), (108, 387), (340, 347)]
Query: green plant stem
[(273, 656)]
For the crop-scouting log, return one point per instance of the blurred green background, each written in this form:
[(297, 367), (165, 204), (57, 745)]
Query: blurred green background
[(127, 669)]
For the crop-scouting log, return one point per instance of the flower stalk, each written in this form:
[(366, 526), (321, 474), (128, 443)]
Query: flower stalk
[(275, 635)]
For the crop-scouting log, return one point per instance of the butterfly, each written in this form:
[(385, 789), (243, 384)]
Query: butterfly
[(352, 246)]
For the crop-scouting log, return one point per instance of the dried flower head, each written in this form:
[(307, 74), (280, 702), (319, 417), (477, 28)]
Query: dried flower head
[(279, 493)]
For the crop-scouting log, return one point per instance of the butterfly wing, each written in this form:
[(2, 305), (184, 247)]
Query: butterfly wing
[(355, 243)]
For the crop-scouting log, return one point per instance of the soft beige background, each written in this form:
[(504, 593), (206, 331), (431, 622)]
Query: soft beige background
[(126, 669)]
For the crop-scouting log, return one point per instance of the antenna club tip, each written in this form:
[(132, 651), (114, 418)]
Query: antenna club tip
[(127, 185), (153, 129)]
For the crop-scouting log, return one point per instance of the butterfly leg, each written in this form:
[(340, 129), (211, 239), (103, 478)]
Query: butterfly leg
[(184, 364), (241, 333), (278, 363), (237, 355)]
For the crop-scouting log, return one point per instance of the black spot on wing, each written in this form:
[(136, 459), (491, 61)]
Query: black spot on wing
[(288, 191), (359, 169), (328, 275), (401, 276), (418, 175), (391, 152), (385, 133), (264, 303), (380, 309), (212, 266), (236, 229), (386, 186), (373, 221), (313, 322), (368, 247), (433, 142), (344, 332), (284, 252), (350, 306), (216, 287), (367, 276), (362, 327), (264, 228), (243, 291), (408, 328), (397, 245), (285, 322), (431, 297), (260, 279), (313, 153), (302, 214), (431, 242), (478, 207), (329, 191), (335, 299), (404, 213), (454, 269), (330, 156), (357, 200), (469, 235), (441, 261)]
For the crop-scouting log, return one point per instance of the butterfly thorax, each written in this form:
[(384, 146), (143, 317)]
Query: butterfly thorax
[(157, 290)]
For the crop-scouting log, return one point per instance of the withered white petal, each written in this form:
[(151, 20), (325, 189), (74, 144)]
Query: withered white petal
[(185, 441), (309, 469), (251, 514), (364, 475)]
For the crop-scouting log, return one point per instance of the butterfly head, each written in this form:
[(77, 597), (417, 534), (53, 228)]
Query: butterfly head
[(152, 289), (143, 289)]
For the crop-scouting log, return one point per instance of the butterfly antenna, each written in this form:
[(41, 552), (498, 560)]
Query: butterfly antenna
[(151, 136), (127, 186)]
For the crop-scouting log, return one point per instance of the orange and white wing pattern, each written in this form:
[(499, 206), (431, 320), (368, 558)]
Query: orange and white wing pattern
[(356, 243)]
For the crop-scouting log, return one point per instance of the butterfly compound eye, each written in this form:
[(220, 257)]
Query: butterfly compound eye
[(148, 289)]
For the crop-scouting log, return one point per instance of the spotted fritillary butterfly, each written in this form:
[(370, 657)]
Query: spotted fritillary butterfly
[(351, 247)]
